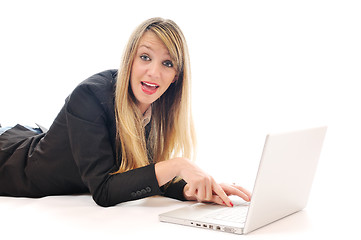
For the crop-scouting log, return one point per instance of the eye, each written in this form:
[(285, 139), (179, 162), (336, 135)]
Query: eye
[(145, 57), (168, 63)]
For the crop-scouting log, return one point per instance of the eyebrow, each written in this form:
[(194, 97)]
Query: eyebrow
[(146, 46)]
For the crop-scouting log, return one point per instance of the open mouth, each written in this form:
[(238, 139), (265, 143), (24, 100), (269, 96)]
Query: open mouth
[(149, 88), (150, 85)]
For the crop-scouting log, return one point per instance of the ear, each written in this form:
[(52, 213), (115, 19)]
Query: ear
[(175, 78)]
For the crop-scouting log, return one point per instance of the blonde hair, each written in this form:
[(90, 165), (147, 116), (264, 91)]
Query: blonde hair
[(172, 131)]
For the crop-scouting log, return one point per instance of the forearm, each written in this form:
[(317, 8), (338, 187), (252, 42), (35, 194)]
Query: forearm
[(128, 186)]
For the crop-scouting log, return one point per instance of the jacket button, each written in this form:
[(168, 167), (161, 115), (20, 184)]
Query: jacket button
[(143, 191), (133, 194), (139, 193), (148, 189)]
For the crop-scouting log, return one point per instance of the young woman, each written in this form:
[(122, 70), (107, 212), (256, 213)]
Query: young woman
[(120, 133)]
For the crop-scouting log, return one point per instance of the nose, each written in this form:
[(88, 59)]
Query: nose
[(154, 70)]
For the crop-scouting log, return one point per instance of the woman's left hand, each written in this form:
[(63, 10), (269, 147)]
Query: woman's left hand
[(232, 189), (229, 189)]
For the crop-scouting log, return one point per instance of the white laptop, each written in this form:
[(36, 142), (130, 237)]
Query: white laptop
[(282, 187)]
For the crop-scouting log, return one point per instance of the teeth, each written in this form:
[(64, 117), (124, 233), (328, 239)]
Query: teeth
[(150, 85)]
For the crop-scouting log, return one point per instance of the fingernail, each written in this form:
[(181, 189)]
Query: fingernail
[(231, 204), (224, 203)]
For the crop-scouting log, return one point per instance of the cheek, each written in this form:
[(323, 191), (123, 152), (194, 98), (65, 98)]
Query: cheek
[(136, 74), (134, 78), (135, 70), (169, 78)]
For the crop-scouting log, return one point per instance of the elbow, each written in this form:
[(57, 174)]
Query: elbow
[(103, 201), (103, 204)]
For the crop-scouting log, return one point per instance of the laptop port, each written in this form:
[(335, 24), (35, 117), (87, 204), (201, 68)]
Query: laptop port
[(218, 228), (229, 229), (198, 225)]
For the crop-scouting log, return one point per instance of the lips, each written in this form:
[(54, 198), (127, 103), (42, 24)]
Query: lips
[(149, 87)]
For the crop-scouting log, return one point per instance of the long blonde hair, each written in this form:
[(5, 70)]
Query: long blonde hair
[(172, 131)]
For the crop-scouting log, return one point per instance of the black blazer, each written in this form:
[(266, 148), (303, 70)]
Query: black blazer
[(77, 154)]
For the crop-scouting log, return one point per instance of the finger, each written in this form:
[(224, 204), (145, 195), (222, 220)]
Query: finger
[(209, 191), (216, 199), (236, 190), (245, 191), (201, 193), (192, 191), (189, 193), (218, 190)]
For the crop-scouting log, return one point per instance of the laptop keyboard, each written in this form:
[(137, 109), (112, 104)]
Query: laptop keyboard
[(236, 214)]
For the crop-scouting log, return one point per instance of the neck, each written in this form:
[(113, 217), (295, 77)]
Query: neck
[(143, 107)]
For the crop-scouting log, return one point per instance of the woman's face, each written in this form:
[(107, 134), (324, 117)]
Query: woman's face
[(152, 71)]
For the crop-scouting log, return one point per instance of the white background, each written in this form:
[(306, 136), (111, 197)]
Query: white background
[(257, 67)]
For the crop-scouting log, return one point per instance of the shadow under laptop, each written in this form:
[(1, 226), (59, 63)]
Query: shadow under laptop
[(293, 224)]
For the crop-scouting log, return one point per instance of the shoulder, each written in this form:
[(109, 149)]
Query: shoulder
[(99, 83), (100, 86), (93, 96)]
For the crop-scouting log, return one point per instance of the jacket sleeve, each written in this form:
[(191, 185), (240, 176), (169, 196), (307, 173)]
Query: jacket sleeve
[(93, 153), (175, 190)]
